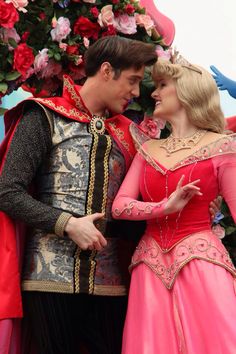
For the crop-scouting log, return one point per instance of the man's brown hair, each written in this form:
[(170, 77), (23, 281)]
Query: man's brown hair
[(122, 53)]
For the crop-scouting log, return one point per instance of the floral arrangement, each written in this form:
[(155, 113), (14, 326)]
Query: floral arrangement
[(41, 40)]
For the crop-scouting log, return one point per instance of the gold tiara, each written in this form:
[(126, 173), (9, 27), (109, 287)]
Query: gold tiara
[(176, 58)]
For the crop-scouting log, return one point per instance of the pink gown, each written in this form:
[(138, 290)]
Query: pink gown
[(182, 296)]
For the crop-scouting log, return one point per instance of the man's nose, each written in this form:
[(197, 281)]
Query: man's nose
[(136, 91)]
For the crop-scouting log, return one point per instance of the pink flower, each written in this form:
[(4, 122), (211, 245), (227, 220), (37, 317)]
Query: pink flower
[(9, 33), (79, 60), (164, 54), (146, 22), (28, 73), (86, 42), (90, 1), (63, 46), (152, 127), (54, 22), (219, 231), (106, 17), (41, 61), (125, 24), (62, 29), (19, 4), (52, 69)]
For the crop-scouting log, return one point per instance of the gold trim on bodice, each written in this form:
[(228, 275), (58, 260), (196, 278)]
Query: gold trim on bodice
[(222, 146), (167, 264)]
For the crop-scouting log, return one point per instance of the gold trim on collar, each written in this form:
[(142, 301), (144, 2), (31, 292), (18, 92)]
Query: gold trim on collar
[(75, 97), (120, 135), (71, 113)]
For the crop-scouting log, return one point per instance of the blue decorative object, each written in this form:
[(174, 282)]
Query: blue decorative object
[(218, 217), (223, 82), (63, 3)]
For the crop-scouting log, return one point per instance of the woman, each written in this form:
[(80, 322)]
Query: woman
[(182, 297)]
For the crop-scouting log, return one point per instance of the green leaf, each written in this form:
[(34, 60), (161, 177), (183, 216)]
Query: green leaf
[(12, 42), (12, 76), (50, 53), (57, 56), (10, 59), (149, 111), (3, 87), (135, 106), (2, 76), (229, 230)]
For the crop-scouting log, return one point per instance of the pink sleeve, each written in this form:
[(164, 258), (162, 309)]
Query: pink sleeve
[(126, 204), (226, 166)]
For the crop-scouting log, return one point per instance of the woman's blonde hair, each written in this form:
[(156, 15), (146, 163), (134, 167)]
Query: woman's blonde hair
[(197, 91)]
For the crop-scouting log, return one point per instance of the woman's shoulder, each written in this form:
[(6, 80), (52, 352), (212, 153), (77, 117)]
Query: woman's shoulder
[(212, 138), (152, 144)]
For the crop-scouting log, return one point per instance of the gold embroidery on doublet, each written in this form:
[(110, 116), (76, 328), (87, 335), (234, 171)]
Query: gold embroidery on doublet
[(120, 135), (94, 177), (106, 173), (81, 116), (77, 269)]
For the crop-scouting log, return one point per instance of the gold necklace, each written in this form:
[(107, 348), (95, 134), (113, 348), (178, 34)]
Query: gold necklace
[(173, 144)]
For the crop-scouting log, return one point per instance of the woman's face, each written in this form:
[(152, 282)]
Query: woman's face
[(167, 102)]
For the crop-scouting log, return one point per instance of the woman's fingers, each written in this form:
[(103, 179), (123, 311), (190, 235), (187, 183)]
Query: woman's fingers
[(179, 184)]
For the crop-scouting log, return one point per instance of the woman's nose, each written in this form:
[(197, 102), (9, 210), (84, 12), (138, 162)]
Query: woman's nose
[(155, 93)]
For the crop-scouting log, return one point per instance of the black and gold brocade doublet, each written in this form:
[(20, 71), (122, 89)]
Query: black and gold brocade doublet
[(81, 176)]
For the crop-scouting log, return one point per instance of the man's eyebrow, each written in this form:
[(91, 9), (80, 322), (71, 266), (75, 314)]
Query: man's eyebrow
[(136, 76)]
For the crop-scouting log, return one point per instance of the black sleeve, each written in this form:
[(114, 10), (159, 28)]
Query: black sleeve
[(29, 148)]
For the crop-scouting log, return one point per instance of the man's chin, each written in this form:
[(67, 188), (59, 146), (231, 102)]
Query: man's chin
[(117, 110)]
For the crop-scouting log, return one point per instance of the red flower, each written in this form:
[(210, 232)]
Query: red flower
[(25, 36), (42, 16), (110, 31), (84, 27), (8, 15), (94, 11), (129, 9), (23, 58), (72, 49)]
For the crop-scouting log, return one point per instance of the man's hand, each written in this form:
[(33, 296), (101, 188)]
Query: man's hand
[(214, 207), (83, 232)]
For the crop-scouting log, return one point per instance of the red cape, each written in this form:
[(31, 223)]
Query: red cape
[(11, 234)]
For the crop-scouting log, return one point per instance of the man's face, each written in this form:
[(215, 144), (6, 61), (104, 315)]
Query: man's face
[(119, 91)]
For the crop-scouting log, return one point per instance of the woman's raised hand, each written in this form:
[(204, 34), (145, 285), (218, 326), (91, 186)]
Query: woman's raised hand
[(181, 196)]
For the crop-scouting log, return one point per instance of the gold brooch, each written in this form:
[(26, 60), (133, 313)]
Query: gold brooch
[(97, 125)]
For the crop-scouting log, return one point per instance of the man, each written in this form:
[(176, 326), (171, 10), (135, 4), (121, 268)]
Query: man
[(63, 160), (63, 163)]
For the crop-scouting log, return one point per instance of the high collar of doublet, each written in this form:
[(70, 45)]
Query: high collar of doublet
[(72, 95)]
